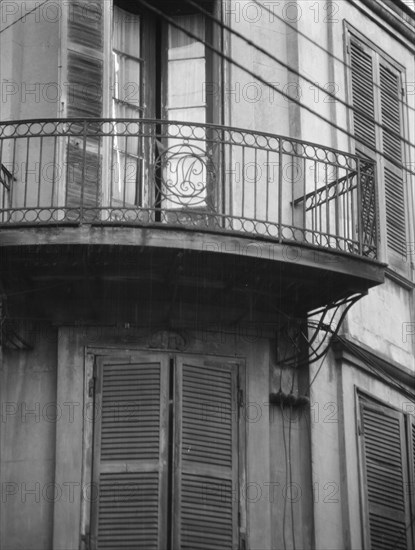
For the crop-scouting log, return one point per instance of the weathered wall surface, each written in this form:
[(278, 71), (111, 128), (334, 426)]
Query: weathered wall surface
[(383, 321), (29, 69), (29, 418), (53, 373)]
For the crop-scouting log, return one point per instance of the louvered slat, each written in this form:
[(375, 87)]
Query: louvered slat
[(386, 476), (413, 451), (392, 150), (363, 97), (137, 417), (211, 398), (411, 444), (390, 114), (206, 513), (395, 211), (84, 82), (128, 511), (207, 473), (386, 534), (130, 453)]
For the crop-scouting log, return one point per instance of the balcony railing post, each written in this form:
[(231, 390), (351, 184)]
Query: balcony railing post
[(359, 208), (376, 212), (81, 206), (336, 207), (12, 190), (280, 175)]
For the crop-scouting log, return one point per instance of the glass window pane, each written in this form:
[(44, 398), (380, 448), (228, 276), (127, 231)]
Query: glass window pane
[(125, 178), (186, 83), (182, 46), (126, 69), (195, 114), (126, 32), (126, 79), (187, 70), (184, 163), (125, 171)]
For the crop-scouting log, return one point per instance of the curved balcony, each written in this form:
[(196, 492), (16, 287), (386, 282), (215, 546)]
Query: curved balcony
[(213, 178), (251, 216), (265, 210)]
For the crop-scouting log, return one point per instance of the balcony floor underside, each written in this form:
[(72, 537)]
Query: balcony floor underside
[(198, 268)]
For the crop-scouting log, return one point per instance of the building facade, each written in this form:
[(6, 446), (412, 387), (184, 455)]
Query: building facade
[(207, 246)]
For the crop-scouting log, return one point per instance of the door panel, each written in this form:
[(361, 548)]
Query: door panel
[(165, 464), (130, 452), (206, 455)]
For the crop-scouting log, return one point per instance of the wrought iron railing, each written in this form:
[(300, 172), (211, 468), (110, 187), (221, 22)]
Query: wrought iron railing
[(208, 177)]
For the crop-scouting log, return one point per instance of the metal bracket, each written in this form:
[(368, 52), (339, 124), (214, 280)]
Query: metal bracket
[(310, 339)]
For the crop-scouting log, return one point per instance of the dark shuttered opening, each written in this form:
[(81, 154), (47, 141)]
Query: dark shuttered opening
[(165, 460), (388, 476)]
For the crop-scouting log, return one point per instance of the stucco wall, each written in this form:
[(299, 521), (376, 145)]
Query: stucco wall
[(29, 70), (29, 418)]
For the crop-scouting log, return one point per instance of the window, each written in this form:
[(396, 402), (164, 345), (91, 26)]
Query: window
[(377, 99), (126, 102), (387, 438), (165, 460), (160, 72)]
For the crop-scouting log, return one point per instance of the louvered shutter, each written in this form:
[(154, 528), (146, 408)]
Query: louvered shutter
[(386, 477), (84, 84), (363, 100), (392, 151), (206, 456), (130, 453), (361, 63), (411, 452), (376, 98)]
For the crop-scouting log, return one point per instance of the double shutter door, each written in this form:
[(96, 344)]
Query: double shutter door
[(165, 453), (377, 99), (388, 464)]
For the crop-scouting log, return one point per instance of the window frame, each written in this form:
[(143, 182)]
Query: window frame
[(408, 459), (154, 104), (149, 49), (397, 263)]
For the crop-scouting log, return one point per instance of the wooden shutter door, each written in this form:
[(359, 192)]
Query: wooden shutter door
[(411, 453), (364, 108), (390, 99), (386, 477), (206, 456), (363, 99), (130, 453), (84, 83)]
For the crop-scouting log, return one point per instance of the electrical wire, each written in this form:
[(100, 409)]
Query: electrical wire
[(376, 368), (292, 70), (229, 59), (284, 514), (291, 477), (293, 378), (324, 357), (23, 16), (254, 75), (319, 46)]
